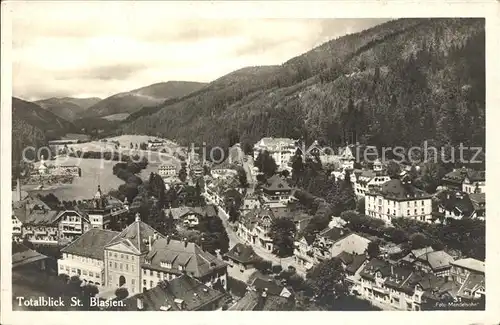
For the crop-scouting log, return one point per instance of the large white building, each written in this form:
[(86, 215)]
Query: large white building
[(281, 149), (137, 259), (365, 179), (398, 199)]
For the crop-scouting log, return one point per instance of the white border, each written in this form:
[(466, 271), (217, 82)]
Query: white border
[(277, 9)]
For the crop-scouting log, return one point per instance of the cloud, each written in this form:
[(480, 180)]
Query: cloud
[(104, 48)]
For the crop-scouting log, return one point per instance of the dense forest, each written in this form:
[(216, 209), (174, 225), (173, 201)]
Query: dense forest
[(399, 83)]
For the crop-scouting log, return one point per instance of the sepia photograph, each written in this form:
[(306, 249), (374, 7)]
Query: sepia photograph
[(244, 164)]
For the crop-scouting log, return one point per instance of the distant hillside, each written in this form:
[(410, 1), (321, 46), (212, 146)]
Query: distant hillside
[(134, 100), (33, 126), (67, 107), (398, 83)]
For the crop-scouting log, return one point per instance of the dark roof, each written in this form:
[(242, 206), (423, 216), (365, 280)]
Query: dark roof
[(253, 301), (254, 216), (476, 175), (193, 293), (437, 259), (396, 189), (242, 253), (34, 211), (91, 244), (270, 286), (456, 202), (22, 255), (334, 233), (195, 261), (136, 236), (248, 302), (397, 276), (374, 266), (276, 183), (357, 262), (345, 257), (456, 176)]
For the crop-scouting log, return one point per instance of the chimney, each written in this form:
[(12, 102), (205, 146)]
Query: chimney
[(18, 189), (168, 239), (140, 303), (392, 269), (149, 242), (185, 242)]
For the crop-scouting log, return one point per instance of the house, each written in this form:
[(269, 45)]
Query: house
[(167, 170), (183, 293), (24, 257), (41, 224), (455, 205), (102, 209), (435, 262), (137, 259), (465, 180), (304, 251), (242, 257), (155, 144), (398, 199), (479, 203), (474, 182), (169, 258), (469, 272), (367, 179), (235, 154), (331, 242), (276, 192), (355, 153), (191, 216), (269, 287), (281, 149), (253, 301), (254, 228), (351, 263), (250, 201), (402, 288)]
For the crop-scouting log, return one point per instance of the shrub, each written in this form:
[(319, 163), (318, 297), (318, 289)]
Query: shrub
[(276, 268)]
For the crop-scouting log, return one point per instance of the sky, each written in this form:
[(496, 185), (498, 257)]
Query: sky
[(81, 51)]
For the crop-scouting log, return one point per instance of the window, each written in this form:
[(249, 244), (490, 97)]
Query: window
[(110, 264), (132, 257), (116, 266), (144, 271), (126, 267), (151, 272), (91, 273), (133, 282), (84, 272), (61, 267), (151, 284), (67, 268), (115, 255), (121, 256), (144, 283), (97, 275), (126, 257), (158, 274)]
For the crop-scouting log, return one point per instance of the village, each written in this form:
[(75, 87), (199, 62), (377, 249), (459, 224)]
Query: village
[(271, 227)]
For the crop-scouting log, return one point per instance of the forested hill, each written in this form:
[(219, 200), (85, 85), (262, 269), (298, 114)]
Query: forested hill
[(33, 126), (398, 83)]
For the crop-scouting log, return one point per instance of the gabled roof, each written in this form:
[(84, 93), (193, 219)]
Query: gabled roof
[(437, 259), (269, 286), (470, 263), (193, 294), (22, 255), (334, 233), (242, 253), (136, 236), (34, 211), (194, 261), (376, 265), (399, 190), (91, 244)]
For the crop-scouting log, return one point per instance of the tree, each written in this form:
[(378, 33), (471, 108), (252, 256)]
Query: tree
[(413, 173), (263, 265), (157, 188), (360, 205), (297, 166), (247, 148), (266, 164), (121, 293), (327, 282), (285, 173), (431, 176), (242, 177), (393, 169), (234, 213), (373, 249), (282, 234), (183, 172), (418, 240)]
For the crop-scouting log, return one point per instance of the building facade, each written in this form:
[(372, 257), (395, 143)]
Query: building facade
[(281, 149), (398, 199)]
